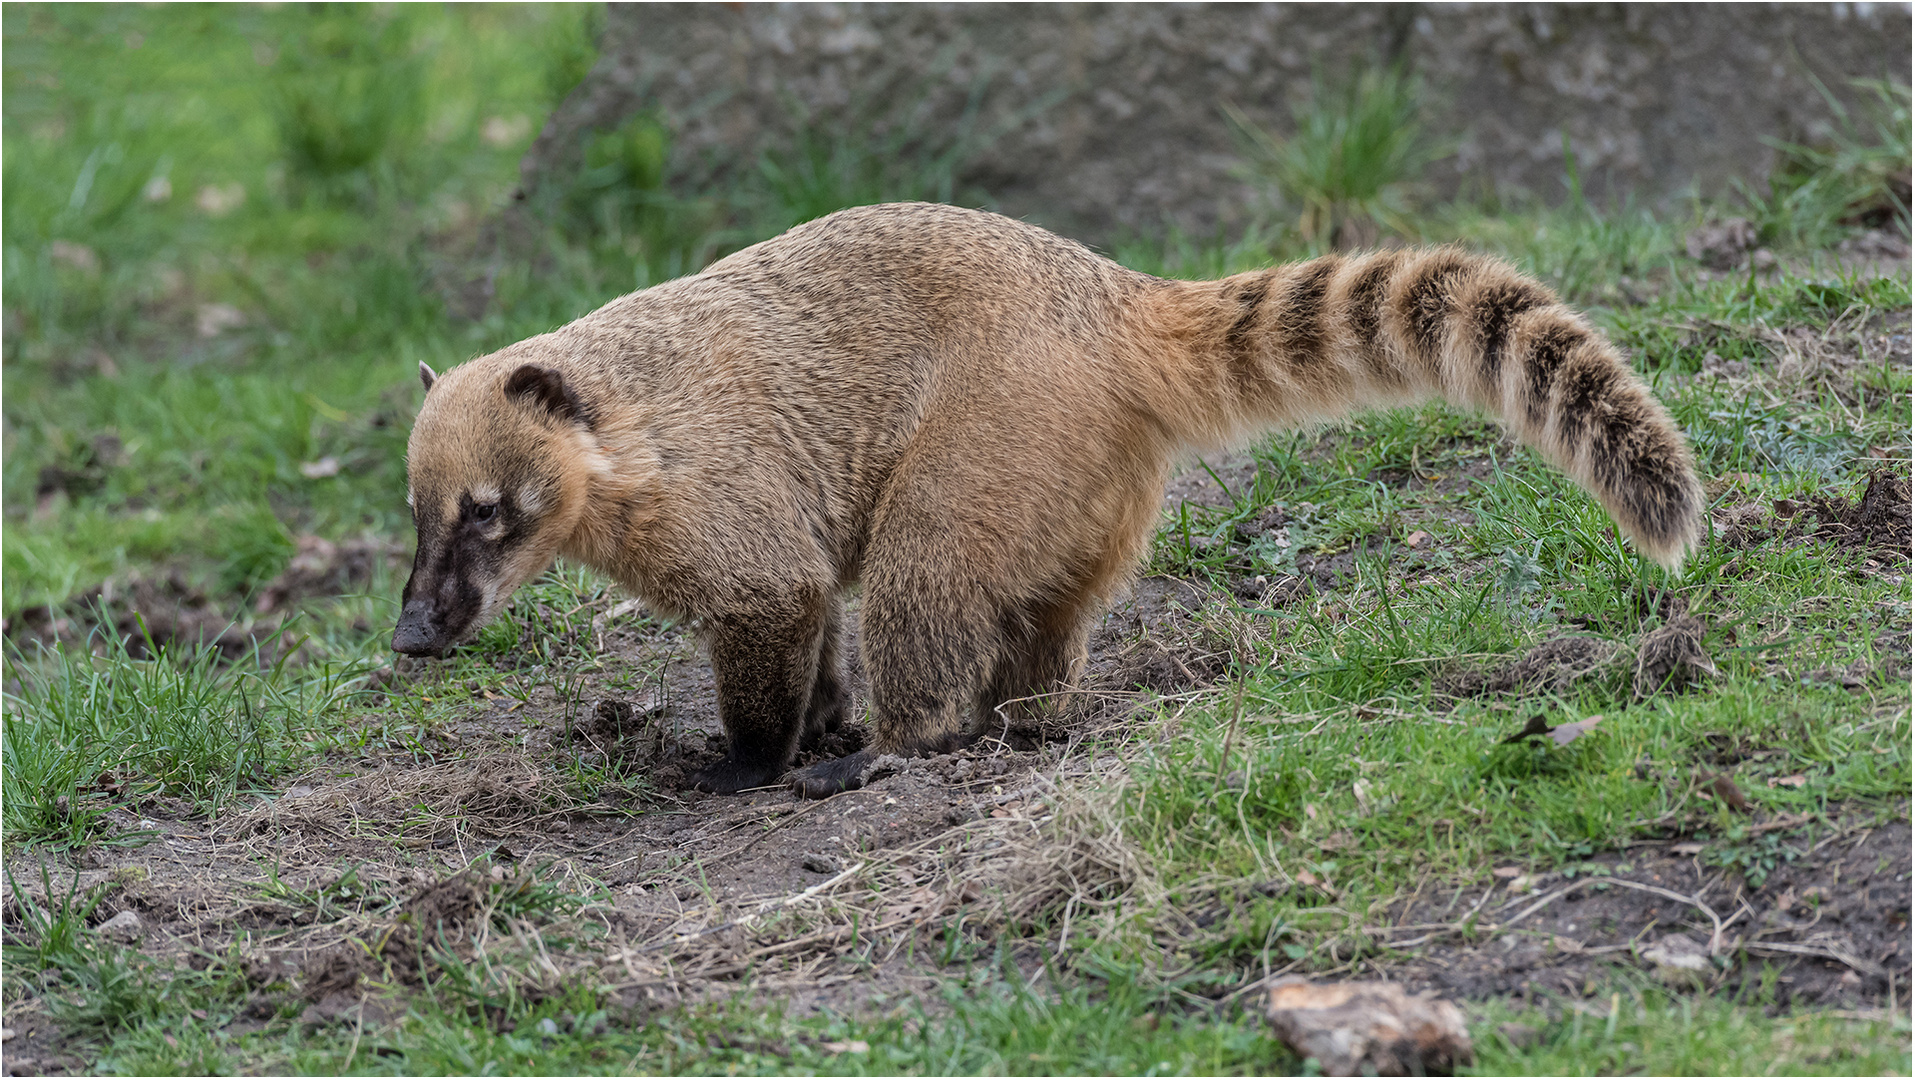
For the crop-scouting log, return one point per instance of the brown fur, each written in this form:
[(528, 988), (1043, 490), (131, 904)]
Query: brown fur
[(975, 419)]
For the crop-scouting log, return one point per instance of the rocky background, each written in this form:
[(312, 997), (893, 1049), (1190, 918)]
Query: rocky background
[(1106, 120)]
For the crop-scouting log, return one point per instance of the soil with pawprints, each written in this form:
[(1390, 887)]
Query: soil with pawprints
[(335, 885)]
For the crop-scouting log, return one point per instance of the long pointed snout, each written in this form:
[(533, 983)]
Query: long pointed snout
[(418, 633), (439, 605)]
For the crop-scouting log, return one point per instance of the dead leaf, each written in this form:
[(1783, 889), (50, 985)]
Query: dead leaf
[(1305, 877), (1416, 539), (1337, 841), (1565, 734), (1795, 781), (1687, 848), (1506, 872), (852, 1046), (1566, 944), (1561, 735), (319, 470), (1728, 794)]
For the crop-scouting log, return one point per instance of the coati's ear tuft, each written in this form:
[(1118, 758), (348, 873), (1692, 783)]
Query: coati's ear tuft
[(546, 389), (427, 375)]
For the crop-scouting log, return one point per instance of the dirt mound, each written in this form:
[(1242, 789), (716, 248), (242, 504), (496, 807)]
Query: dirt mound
[(1666, 659), (1671, 656), (1553, 667), (437, 923), (1878, 522)]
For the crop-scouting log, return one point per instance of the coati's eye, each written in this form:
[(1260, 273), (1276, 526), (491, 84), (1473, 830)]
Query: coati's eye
[(484, 512)]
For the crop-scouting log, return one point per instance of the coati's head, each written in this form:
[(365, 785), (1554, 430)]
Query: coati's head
[(497, 472)]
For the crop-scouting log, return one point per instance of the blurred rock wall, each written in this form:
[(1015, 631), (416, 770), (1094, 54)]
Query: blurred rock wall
[(1107, 117)]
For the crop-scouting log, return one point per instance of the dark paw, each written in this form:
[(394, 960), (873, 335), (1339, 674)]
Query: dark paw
[(828, 778), (730, 776)]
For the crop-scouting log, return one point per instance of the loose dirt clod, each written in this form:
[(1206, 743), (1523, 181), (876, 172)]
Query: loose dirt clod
[(1376, 1028), (1671, 656), (1721, 245), (124, 927), (1679, 960)]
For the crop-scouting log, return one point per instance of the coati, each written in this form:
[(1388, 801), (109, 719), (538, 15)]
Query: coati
[(975, 419)]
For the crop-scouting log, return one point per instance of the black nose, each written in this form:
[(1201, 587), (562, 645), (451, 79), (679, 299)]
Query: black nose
[(416, 635)]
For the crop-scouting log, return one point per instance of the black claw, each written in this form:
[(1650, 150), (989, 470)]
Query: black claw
[(730, 776), (828, 778)]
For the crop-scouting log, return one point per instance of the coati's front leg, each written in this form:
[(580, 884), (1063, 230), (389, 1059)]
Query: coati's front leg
[(766, 665)]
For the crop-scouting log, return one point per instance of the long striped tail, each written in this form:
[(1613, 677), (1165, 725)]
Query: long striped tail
[(1318, 340)]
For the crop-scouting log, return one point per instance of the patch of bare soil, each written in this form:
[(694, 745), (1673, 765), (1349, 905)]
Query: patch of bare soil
[(1830, 923)]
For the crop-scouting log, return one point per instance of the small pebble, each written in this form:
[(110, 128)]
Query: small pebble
[(126, 926)]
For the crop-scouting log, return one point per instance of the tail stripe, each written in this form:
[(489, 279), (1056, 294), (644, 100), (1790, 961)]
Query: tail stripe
[(1547, 352), (1494, 310), (1251, 298), (1427, 302), (1583, 410), (1298, 324), (1365, 309)]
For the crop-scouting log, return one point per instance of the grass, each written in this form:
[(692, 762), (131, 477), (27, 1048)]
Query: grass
[(93, 729), (226, 242)]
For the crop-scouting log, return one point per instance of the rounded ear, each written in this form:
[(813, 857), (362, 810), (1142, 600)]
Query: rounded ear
[(546, 389), (427, 375)]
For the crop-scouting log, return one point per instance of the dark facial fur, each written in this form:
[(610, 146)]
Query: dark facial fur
[(486, 503)]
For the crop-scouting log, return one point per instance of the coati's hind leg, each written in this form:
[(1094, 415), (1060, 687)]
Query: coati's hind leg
[(1043, 651), (766, 665), (828, 700), (929, 630)]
